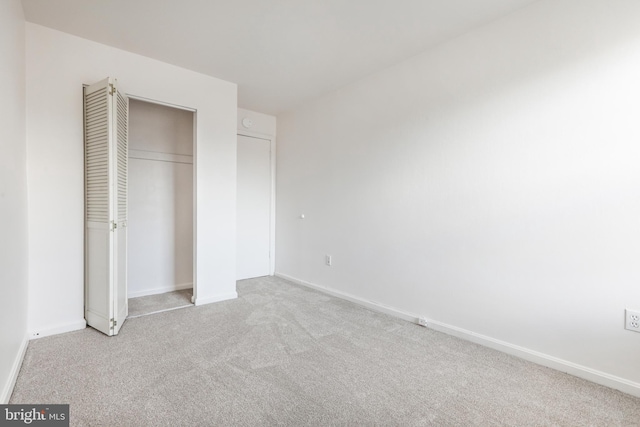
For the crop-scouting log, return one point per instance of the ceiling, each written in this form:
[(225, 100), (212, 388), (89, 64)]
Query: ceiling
[(279, 52)]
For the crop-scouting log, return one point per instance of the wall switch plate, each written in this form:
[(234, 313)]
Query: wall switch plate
[(632, 320), (327, 260)]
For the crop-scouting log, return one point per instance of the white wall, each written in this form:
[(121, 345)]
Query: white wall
[(263, 124), (57, 66), (160, 216), (489, 184), (13, 196)]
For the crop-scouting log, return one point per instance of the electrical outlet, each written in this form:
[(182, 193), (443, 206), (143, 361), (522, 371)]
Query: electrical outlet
[(632, 320), (422, 321), (327, 260)]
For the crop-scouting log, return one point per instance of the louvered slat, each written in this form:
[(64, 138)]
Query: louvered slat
[(97, 156), (122, 158)]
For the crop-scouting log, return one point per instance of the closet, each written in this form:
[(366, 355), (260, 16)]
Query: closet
[(139, 205), (161, 199)]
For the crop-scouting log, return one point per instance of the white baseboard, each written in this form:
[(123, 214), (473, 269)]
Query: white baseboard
[(357, 300), (580, 371), (162, 290), (60, 329), (561, 365), (215, 298), (7, 389)]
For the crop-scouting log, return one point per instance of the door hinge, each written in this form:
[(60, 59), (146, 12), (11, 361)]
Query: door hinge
[(112, 89), (114, 225), (114, 323)]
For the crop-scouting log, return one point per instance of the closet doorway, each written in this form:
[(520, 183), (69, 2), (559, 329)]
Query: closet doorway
[(160, 253)]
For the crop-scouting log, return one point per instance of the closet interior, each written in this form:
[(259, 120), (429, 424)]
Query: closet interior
[(160, 254)]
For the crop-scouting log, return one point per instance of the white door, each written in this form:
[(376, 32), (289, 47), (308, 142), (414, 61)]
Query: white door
[(253, 207), (105, 123)]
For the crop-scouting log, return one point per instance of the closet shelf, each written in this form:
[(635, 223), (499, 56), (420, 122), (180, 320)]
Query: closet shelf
[(161, 157)]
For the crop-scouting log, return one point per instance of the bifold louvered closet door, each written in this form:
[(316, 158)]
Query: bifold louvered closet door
[(105, 141)]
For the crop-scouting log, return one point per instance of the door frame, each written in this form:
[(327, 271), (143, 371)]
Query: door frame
[(272, 200), (194, 178)]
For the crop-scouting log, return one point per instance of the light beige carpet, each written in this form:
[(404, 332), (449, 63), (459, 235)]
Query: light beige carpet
[(281, 354)]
